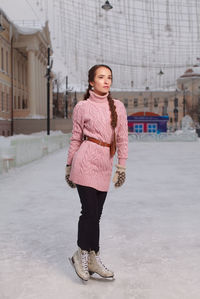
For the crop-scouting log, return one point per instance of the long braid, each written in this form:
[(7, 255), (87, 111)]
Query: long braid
[(112, 111), (87, 94)]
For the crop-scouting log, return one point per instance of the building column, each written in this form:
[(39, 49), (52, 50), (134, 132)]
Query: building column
[(42, 76), (38, 103), (45, 90), (31, 81)]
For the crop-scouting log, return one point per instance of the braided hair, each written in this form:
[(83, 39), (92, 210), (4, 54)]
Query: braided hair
[(91, 76)]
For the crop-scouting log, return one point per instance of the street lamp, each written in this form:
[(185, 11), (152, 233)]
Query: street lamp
[(160, 74), (107, 6), (48, 76), (176, 117)]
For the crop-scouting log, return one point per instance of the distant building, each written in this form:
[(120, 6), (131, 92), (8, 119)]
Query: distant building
[(23, 91), (189, 84), (170, 105)]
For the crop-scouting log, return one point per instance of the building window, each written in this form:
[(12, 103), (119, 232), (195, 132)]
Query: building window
[(18, 66), (15, 103), (152, 128), (7, 62), (145, 102), (2, 101), (7, 102), (135, 102), (23, 104), (165, 106), (138, 128), (2, 61), (15, 70), (126, 103), (22, 74), (156, 100)]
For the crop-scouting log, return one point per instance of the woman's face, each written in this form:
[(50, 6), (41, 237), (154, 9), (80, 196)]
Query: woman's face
[(102, 81)]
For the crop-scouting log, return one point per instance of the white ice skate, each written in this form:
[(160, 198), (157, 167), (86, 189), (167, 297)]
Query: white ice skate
[(80, 263), (95, 265)]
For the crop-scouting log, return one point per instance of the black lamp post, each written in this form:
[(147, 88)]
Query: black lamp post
[(176, 117), (48, 76), (160, 75)]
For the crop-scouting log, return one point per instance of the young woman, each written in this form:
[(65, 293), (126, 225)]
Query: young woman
[(99, 123)]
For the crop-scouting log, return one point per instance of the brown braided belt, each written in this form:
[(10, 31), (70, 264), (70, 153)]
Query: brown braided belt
[(96, 141)]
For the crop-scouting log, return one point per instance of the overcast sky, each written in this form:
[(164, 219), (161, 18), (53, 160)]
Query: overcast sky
[(136, 38)]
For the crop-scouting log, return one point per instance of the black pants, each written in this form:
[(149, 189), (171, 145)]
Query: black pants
[(92, 202)]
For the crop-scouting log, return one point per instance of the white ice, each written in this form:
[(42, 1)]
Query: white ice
[(150, 231)]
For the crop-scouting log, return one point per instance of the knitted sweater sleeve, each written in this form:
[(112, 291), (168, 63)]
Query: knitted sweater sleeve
[(77, 132), (122, 137)]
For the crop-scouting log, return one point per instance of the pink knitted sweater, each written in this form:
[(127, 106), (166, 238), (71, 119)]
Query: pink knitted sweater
[(91, 163)]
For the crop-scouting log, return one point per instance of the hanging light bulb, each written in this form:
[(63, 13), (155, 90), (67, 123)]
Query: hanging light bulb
[(107, 6), (161, 73)]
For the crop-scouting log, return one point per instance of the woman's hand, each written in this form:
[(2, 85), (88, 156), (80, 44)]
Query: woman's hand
[(120, 175), (67, 175)]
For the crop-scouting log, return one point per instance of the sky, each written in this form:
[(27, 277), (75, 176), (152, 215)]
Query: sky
[(136, 38), (149, 228)]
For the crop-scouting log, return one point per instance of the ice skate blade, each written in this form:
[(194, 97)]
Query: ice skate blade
[(72, 263), (99, 277)]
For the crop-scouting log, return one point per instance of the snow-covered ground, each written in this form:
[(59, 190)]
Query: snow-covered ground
[(149, 231)]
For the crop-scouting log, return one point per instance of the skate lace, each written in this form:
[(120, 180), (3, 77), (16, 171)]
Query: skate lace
[(84, 260), (100, 263)]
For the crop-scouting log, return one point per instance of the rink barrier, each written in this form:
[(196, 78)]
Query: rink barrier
[(25, 149), (163, 137)]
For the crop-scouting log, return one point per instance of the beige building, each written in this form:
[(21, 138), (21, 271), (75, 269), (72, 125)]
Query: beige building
[(23, 88), (160, 102), (185, 99), (189, 84), (5, 76)]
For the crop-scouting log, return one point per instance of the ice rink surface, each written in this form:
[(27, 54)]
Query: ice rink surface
[(150, 232)]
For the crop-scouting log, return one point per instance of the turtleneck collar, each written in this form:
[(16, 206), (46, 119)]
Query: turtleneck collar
[(97, 98)]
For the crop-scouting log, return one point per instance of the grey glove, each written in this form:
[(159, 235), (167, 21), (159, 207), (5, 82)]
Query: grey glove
[(120, 175), (67, 175)]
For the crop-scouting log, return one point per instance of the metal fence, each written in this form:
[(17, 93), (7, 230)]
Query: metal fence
[(164, 137)]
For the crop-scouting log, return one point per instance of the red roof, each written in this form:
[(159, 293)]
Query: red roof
[(144, 114)]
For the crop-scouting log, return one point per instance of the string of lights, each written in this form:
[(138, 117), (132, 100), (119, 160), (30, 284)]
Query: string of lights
[(137, 38)]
